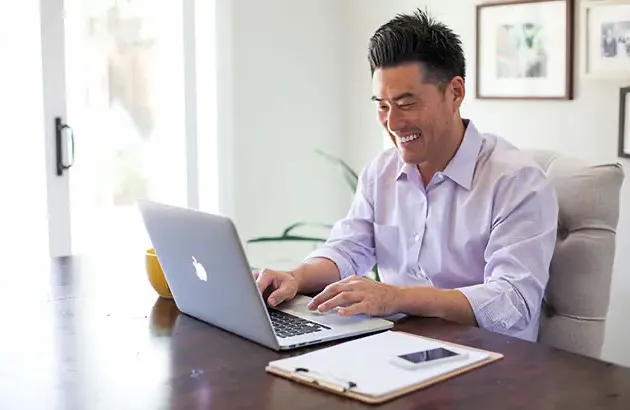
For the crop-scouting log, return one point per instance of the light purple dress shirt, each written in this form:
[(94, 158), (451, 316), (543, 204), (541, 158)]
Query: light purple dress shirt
[(486, 226)]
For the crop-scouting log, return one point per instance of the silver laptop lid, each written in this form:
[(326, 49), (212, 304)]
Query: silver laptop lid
[(207, 270)]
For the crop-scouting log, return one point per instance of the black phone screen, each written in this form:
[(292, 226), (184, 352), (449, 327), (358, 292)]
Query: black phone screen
[(428, 355)]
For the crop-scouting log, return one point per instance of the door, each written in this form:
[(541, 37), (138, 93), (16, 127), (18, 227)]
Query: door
[(22, 183), (120, 109)]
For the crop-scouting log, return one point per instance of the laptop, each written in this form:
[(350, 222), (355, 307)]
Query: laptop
[(208, 273)]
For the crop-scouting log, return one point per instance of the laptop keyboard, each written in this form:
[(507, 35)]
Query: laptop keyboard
[(287, 325)]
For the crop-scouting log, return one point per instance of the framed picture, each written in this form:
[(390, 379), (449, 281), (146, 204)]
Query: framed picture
[(605, 38), (624, 122), (525, 50)]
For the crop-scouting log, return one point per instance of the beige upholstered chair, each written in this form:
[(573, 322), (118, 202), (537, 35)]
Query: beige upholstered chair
[(577, 297)]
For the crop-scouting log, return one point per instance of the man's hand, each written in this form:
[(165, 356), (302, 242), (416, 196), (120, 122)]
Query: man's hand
[(284, 284), (357, 295)]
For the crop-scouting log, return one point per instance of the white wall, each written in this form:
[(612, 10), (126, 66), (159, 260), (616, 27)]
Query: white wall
[(585, 127), (281, 96)]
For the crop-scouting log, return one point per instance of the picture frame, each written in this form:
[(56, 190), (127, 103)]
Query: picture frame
[(514, 54), (600, 21), (624, 122)]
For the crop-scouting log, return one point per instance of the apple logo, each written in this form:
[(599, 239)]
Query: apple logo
[(199, 270)]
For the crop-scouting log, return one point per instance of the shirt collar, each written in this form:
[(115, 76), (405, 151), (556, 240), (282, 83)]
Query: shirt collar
[(461, 168)]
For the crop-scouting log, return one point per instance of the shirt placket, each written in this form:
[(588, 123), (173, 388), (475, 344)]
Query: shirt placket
[(423, 213), (416, 236)]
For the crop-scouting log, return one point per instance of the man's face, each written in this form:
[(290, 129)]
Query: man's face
[(416, 114)]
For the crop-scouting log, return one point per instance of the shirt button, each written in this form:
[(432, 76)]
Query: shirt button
[(416, 237)]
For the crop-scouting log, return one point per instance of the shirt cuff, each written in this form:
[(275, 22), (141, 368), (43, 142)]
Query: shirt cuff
[(344, 266), (493, 308)]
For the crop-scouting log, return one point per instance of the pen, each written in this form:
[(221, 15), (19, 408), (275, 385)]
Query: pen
[(330, 385)]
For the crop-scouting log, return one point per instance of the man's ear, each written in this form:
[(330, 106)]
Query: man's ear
[(458, 90)]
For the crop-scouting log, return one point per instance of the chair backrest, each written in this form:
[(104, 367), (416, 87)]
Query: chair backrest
[(578, 293)]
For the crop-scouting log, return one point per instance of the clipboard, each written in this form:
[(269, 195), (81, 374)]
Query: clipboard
[(321, 369)]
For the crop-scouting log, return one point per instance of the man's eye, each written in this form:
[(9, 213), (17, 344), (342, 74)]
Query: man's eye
[(406, 105), (382, 107)]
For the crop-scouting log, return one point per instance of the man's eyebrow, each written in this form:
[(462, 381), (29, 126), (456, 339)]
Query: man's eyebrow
[(396, 98)]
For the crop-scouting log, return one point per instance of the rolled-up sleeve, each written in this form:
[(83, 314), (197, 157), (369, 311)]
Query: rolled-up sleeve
[(350, 244), (518, 253)]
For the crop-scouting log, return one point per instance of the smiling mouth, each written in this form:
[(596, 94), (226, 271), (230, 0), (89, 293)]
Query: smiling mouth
[(408, 138)]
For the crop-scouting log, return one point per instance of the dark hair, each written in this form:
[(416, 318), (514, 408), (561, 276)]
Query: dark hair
[(418, 38)]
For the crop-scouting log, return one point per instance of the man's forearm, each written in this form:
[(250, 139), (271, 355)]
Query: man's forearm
[(447, 304), (315, 274)]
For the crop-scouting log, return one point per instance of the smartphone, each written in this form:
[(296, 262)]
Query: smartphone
[(423, 358)]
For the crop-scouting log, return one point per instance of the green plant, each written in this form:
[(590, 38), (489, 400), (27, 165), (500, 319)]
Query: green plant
[(288, 234)]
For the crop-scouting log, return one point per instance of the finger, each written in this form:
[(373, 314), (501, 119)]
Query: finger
[(351, 279), (263, 280), (342, 299), (329, 292), (279, 295), (356, 309)]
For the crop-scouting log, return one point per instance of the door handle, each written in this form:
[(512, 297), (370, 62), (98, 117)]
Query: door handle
[(60, 127)]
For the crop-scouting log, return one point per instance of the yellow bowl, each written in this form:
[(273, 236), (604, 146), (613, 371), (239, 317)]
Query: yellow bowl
[(156, 275)]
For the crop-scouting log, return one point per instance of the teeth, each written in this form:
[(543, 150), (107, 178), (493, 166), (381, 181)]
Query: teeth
[(408, 138)]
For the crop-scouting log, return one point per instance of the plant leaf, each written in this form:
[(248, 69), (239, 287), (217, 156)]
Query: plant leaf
[(286, 238), (350, 176), (296, 225), (375, 270)]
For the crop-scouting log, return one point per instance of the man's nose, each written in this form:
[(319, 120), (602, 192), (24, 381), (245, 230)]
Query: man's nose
[(395, 120)]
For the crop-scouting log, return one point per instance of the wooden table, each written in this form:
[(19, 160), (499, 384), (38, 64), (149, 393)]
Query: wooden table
[(93, 335)]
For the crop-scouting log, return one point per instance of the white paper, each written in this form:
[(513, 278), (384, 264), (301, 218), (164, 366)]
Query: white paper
[(365, 362)]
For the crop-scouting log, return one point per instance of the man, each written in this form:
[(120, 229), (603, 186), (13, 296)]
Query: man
[(461, 225)]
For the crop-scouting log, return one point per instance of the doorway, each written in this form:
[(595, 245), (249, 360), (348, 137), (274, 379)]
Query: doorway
[(121, 103)]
